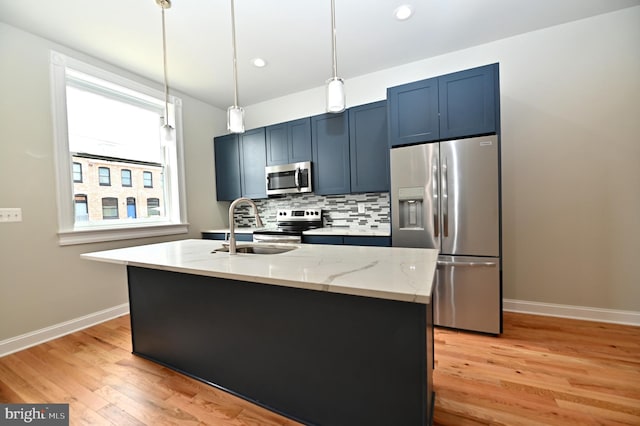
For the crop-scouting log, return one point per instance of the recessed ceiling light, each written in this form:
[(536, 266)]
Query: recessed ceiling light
[(259, 62), (404, 12)]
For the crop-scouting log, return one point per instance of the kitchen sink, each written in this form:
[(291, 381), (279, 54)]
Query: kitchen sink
[(258, 248)]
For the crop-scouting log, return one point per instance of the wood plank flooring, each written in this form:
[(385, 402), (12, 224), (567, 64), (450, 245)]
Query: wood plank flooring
[(541, 371)]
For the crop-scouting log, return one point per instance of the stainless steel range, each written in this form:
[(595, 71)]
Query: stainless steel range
[(290, 224)]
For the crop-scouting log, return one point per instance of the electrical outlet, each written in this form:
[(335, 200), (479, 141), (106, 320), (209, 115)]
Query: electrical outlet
[(360, 208), (11, 215)]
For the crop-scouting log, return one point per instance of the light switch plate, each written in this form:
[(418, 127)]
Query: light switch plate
[(10, 215)]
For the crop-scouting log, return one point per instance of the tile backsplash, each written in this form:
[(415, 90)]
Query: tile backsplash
[(337, 210)]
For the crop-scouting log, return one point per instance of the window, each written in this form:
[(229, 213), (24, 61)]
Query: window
[(125, 177), (81, 208), (104, 176), (147, 178), (77, 172), (153, 207), (110, 208), (105, 122)]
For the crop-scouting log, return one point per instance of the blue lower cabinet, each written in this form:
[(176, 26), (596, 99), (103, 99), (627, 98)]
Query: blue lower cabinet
[(223, 236), (322, 239), (214, 236), (367, 241), (347, 240)]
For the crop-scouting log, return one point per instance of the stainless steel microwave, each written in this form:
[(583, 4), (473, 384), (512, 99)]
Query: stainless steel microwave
[(291, 178)]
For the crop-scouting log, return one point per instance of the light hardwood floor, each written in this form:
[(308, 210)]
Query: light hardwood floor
[(541, 371)]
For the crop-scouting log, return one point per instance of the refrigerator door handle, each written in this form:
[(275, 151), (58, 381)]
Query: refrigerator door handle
[(445, 199), (436, 223), (472, 264)]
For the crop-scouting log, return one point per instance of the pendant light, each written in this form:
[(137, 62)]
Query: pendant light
[(235, 114), (335, 86), (168, 133)]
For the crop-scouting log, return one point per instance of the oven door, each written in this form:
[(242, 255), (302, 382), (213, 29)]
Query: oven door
[(277, 237), (288, 178)]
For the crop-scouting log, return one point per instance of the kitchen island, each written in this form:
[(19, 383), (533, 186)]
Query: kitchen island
[(335, 335)]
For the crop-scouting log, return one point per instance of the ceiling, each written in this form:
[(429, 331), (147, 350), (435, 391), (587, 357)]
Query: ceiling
[(293, 36)]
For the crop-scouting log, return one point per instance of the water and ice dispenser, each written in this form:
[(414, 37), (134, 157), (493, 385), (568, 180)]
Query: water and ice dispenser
[(410, 205)]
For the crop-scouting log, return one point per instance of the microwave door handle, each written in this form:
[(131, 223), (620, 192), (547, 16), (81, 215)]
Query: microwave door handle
[(297, 178)]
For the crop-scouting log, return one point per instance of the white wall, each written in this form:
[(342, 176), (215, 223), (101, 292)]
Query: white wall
[(570, 113), (41, 283)]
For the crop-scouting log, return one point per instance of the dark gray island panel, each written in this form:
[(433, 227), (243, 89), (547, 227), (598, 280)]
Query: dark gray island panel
[(317, 357)]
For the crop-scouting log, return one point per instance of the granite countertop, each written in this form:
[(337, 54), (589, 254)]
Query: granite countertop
[(327, 230), (394, 273)]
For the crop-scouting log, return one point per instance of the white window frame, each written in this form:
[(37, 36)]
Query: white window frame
[(175, 189)]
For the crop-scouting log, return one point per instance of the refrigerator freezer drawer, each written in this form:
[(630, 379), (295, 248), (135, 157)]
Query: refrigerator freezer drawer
[(468, 294)]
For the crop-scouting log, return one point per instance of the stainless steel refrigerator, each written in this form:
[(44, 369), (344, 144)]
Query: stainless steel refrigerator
[(446, 195)]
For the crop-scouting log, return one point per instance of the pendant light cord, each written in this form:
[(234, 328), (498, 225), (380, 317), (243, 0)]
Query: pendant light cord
[(235, 61), (333, 39)]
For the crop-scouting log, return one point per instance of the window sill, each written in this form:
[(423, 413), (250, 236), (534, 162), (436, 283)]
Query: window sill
[(69, 238)]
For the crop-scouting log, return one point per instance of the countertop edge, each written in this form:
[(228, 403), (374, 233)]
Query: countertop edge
[(123, 257)]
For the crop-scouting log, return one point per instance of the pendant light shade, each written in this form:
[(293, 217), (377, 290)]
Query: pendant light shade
[(335, 95), (167, 131), (235, 114), (336, 98), (235, 119)]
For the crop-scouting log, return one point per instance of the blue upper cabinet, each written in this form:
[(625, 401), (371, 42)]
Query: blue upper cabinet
[(461, 104), (227, 161), (330, 154), (289, 142), (469, 102), (277, 151), (413, 112), (369, 149), (253, 160), (299, 140)]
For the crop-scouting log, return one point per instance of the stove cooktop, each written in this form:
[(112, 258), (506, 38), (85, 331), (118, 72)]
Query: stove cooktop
[(294, 222)]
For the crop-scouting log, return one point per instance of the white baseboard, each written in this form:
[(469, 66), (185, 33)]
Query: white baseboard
[(24, 341), (569, 311)]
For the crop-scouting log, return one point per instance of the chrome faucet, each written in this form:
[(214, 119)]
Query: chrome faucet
[(232, 232)]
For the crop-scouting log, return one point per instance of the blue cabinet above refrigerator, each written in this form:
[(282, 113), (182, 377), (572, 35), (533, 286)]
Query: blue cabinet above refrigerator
[(456, 105)]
